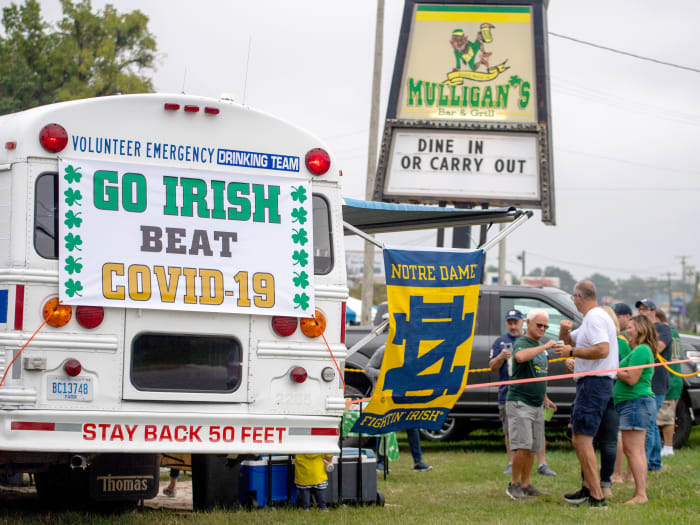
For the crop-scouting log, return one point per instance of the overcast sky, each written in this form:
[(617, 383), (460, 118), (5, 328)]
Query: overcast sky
[(625, 131)]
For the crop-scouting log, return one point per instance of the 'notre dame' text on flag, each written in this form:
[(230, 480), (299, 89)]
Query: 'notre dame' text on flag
[(432, 297)]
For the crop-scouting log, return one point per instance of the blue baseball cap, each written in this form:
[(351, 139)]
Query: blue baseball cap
[(514, 314), (646, 302), (622, 309)]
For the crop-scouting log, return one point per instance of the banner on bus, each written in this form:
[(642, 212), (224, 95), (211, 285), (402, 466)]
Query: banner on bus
[(432, 296), (143, 236)]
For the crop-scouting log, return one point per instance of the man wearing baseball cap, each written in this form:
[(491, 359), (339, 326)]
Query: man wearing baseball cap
[(501, 352), (659, 382), (624, 315)]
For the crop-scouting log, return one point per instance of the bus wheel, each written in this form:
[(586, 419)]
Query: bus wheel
[(215, 480), (62, 487)]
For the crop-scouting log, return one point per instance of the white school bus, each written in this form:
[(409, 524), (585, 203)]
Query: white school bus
[(181, 261)]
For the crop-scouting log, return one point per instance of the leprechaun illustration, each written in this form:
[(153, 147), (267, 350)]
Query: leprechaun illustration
[(473, 53)]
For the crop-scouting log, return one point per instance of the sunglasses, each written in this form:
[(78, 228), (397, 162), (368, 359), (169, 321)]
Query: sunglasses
[(540, 325)]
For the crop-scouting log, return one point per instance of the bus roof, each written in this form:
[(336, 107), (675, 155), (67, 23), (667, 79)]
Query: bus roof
[(165, 129)]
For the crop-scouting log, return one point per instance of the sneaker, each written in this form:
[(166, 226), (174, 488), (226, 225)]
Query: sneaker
[(578, 497), (515, 491), (421, 467), (169, 492), (530, 490), (380, 468), (545, 470), (597, 503), (666, 451), (509, 469)]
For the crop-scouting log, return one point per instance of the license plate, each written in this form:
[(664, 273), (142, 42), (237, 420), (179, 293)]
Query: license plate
[(70, 389)]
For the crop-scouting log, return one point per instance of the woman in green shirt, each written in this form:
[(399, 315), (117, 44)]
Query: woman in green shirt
[(635, 402)]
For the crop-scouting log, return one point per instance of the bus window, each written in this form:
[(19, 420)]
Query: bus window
[(46, 216), (323, 247), (185, 363)]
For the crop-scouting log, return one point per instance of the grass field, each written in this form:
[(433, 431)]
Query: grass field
[(465, 486)]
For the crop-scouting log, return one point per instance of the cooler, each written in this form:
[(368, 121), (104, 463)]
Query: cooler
[(267, 480), (359, 478)]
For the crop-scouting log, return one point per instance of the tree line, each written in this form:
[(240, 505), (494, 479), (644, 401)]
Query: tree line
[(86, 54), (628, 290)]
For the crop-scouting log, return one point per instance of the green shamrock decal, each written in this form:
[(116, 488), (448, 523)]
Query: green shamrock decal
[(299, 215), (301, 301), (72, 174), (72, 242), (73, 287), (300, 236), (301, 257), (72, 197), (515, 80), (72, 219), (299, 194), (301, 279), (72, 265)]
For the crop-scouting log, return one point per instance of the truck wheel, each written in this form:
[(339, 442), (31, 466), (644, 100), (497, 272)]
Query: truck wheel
[(452, 430), (683, 424)]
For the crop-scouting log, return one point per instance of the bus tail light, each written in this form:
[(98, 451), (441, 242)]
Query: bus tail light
[(72, 367), (57, 315), (318, 161), (298, 374), (53, 138), (89, 316), (284, 325), (313, 326)]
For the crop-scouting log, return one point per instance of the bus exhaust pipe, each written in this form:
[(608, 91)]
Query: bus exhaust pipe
[(78, 461)]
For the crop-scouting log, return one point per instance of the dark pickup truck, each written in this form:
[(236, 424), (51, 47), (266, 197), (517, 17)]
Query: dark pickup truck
[(478, 407)]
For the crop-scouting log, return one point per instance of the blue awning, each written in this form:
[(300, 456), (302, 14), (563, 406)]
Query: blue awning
[(378, 217)]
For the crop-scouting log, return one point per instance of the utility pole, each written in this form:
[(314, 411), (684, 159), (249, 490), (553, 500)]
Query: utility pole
[(684, 275), (368, 272), (670, 295), (502, 258), (684, 283)]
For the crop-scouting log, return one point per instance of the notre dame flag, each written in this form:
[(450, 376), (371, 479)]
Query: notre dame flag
[(433, 295)]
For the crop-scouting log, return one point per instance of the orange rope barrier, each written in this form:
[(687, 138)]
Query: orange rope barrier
[(549, 378), (23, 347)]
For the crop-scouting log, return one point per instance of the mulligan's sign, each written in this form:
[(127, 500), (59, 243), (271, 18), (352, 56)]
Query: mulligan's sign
[(470, 62), (470, 79)]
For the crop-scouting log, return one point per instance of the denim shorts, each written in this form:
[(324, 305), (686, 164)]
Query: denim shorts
[(592, 396), (636, 414)]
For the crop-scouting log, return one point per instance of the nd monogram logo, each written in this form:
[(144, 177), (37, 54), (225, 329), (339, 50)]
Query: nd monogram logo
[(429, 322)]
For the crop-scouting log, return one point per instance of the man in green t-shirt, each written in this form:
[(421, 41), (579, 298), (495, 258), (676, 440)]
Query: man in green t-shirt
[(525, 402), (666, 419)]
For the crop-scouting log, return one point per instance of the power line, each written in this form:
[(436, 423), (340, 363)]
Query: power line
[(625, 161), (613, 50), (626, 190), (596, 267)]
